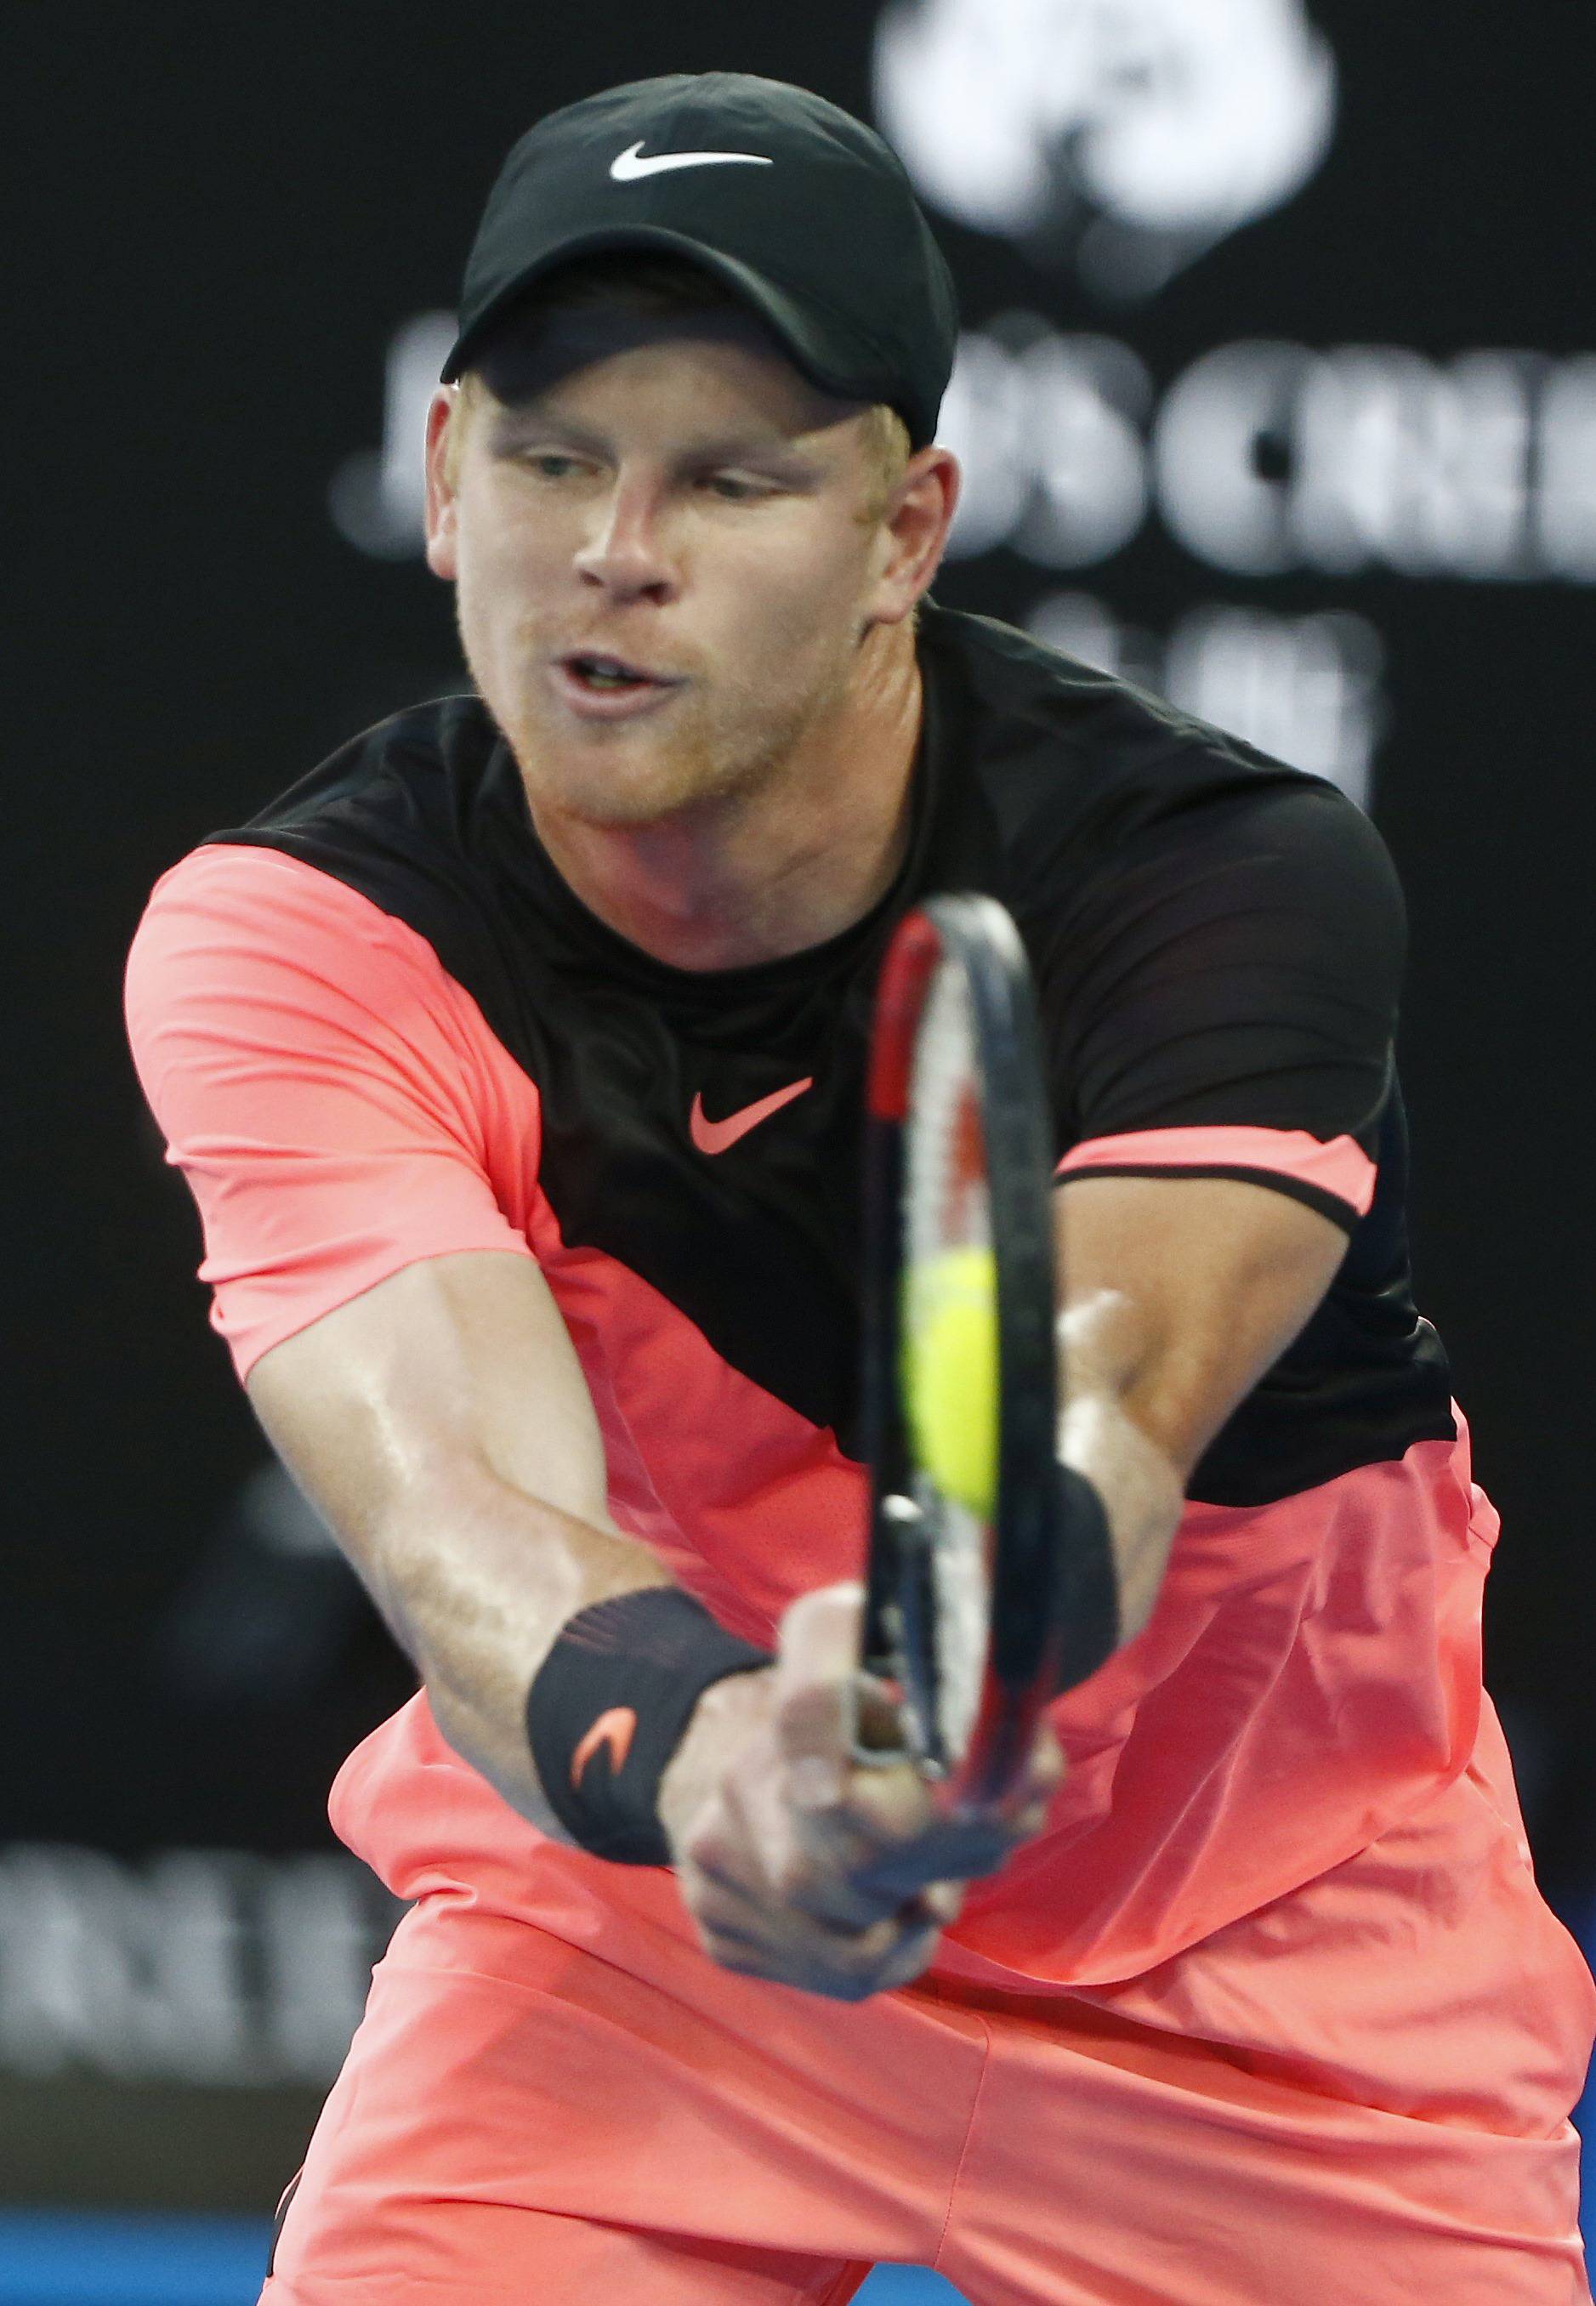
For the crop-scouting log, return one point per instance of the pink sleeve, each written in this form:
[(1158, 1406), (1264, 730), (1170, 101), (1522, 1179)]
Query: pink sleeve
[(1334, 1176), (325, 1088)]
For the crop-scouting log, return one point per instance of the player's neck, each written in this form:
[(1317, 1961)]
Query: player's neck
[(774, 870)]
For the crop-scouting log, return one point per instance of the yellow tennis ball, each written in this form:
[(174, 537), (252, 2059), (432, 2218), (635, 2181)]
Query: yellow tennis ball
[(950, 1373)]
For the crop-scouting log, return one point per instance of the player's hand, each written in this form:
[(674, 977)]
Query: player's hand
[(801, 1865)]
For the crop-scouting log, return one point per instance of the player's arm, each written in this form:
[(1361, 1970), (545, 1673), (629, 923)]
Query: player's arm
[(1220, 996), (442, 1422), (335, 1099), (1177, 1293)]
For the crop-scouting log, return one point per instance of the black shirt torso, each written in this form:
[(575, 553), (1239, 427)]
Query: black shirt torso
[(1215, 937)]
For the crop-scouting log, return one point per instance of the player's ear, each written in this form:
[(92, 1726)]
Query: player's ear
[(915, 532), (445, 416)]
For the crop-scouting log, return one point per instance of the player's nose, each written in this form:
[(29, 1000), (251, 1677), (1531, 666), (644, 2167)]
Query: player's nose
[(627, 550)]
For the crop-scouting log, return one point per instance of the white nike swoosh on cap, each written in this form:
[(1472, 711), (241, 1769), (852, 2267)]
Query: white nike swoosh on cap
[(630, 165)]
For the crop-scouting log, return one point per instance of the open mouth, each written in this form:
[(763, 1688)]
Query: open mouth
[(603, 673)]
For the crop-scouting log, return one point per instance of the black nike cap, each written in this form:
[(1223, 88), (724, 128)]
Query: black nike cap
[(801, 210)]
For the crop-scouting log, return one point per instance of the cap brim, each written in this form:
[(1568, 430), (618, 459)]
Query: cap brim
[(795, 332)]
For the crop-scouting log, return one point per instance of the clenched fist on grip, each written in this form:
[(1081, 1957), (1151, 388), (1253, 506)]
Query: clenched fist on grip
[(799, 1864)]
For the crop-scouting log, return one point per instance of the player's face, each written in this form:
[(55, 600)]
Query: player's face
[(678, 498)]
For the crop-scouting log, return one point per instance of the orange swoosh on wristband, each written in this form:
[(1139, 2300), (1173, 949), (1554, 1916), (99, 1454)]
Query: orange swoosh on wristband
[(614, 1729)]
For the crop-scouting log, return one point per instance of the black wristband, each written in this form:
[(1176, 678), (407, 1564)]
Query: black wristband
[(1089, 1595), (608, 1707)]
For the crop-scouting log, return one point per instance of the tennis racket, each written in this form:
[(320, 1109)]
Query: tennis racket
[(960, 1393)]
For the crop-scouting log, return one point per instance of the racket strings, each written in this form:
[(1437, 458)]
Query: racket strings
[(947, 1241), (945, 1203)]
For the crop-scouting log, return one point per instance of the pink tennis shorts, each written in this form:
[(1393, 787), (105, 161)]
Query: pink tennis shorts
[(1356, 2097)]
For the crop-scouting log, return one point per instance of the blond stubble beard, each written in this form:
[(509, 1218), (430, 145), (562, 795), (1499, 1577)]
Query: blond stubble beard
[(681, 773)]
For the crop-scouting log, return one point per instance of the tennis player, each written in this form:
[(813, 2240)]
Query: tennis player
[(515, 1060)]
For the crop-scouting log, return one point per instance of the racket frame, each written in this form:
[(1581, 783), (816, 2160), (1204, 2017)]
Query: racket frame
[(975, 935)]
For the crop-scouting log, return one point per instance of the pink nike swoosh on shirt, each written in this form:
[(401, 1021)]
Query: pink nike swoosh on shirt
[(716, 1136)]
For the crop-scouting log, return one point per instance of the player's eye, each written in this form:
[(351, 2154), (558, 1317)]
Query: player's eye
[(733, 490), (550, 465)]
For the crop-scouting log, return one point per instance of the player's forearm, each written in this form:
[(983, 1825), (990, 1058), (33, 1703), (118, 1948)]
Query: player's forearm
[(477, 1579), (1105, 1433)]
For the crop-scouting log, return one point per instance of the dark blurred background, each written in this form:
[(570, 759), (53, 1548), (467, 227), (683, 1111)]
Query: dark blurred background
[(1278, 392)]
